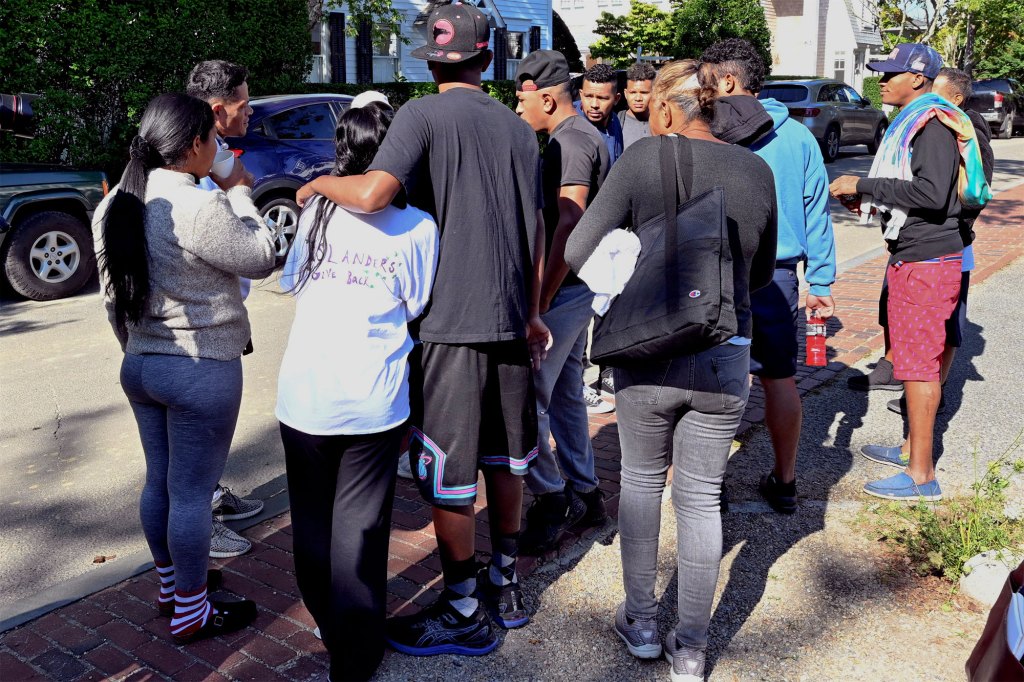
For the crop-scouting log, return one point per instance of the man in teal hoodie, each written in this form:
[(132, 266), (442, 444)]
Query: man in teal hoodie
[(736, 72)]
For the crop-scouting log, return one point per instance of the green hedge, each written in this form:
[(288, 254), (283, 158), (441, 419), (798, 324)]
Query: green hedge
[(872, 91)]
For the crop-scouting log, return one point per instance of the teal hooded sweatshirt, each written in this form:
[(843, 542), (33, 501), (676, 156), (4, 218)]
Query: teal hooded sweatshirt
[(801, 190)]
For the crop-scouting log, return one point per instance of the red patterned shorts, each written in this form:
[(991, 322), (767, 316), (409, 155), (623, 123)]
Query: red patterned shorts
[(922, 297)]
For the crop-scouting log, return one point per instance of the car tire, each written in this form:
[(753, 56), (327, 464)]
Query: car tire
[(48, 256), (284, 212), (1005, 131), (830, 144), (876, 141)]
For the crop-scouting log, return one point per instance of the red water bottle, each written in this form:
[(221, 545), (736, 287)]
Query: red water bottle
[(816, 354)]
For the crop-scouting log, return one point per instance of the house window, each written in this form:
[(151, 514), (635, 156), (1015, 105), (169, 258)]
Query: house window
[(578, 4), (602, 3), (839, 69), (566, 4), (515, 50), (319, 71), (385, 59), (617, 3)]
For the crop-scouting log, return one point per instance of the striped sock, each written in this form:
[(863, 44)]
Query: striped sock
[(191, 611), (166, 574)]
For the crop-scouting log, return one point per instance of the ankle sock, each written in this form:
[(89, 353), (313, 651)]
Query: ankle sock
[(502, 570), (191, 611), (460, 585), (165, 571)]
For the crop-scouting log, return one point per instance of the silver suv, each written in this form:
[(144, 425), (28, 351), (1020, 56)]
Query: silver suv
[(832, 110)]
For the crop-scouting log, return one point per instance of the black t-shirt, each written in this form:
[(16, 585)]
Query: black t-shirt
[(575, 155), (468, 160)]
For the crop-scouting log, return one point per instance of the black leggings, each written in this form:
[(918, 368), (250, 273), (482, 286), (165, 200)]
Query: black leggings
[(341, 490)]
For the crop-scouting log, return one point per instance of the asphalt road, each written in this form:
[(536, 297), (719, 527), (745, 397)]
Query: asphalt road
[(72, 464)]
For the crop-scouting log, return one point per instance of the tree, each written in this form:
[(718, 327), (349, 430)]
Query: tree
[(645, 27), (986, 37), (700, 23), (562, 41), (384, 20)]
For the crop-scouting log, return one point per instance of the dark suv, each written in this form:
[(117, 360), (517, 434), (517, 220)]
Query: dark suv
[(1000, 101), (290, 141)]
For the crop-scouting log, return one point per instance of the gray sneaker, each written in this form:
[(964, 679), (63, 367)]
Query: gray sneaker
[(226, 543), (640, 636), (404, 466), (687, 664), (230, 507)]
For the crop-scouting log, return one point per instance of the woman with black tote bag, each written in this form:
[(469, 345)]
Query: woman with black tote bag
[(681, 365)]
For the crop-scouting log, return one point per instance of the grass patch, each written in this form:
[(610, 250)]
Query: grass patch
[(939, 537)]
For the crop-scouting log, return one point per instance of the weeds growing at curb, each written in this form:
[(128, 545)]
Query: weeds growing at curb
[(939, 538)]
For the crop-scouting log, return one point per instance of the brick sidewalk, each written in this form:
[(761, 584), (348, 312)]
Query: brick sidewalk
[(117, 633)]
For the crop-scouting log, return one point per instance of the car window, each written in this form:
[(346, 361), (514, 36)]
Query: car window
[(783, 93), (831, 93), (852, 95), (310, 122)]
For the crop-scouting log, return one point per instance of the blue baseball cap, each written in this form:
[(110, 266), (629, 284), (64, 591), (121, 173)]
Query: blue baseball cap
[(912, 57)]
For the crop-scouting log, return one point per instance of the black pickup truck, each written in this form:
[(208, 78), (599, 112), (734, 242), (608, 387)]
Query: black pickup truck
[(1000, 101)]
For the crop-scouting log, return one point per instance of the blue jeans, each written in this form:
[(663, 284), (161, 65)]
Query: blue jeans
[(186, 409), (684, 413), (561, 411)]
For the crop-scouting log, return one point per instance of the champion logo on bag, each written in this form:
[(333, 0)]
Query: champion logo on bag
[(695, 293)]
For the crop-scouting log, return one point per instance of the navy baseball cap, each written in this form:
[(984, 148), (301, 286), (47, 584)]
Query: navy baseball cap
[(455, 33), (912, 57)]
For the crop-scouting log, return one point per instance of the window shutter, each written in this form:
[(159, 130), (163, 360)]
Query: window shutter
[(500, 54), (336, 23), (364, 53), (534, 38)]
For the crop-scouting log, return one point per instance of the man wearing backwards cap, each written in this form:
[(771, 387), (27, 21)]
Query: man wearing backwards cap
[(927, 168), (468, 160), (575, 164)]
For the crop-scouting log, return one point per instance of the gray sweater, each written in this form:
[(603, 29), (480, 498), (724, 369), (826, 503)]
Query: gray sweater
[(199, 243), (631, 194)]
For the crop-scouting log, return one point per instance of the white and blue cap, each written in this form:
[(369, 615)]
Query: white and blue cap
[(912, 57)]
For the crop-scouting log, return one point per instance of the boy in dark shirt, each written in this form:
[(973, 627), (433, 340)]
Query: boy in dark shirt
[(575, 164), (598, 97), (468, 160), (921, 218)]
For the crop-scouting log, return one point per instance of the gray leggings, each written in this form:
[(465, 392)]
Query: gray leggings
[(186, 409), (682, 412)]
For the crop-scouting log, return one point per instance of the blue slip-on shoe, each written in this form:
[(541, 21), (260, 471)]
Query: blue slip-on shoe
[(893, 457), (902, 487)]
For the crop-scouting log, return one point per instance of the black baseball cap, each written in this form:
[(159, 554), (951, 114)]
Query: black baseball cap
[(455, 33), (912, 57), (541, 69)]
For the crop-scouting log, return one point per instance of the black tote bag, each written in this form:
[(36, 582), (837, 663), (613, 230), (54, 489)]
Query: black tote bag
[(679, 300)]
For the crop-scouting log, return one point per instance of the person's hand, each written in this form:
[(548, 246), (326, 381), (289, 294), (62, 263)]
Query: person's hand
[(239, 177), (844, 184), (820, 306), (305, 193), (539, 339)]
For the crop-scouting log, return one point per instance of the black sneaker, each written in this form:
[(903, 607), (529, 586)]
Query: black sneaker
[(596, 513), (547, 519), (230, 616), (899, 405), (441, 629), (780, 496), (608, 382), (507, 605), (879, 379)]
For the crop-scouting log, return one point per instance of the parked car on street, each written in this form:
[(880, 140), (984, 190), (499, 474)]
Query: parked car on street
[(290, 141), (833, 111), (1000, 101), (46, 249)]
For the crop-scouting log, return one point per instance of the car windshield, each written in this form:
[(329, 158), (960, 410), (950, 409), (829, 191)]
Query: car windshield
[(991, 86), (784, 93)]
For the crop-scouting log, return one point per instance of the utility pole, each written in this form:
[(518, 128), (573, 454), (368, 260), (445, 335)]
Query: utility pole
[(968, 64)]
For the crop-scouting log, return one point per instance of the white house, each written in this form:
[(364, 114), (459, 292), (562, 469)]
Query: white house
[(580, 17), (517, 28), (831, 38)]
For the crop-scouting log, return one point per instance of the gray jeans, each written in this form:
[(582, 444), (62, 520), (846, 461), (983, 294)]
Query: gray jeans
[(683, 412), (561, 411)]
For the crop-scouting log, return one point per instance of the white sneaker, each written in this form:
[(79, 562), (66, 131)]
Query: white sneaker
[(596, 404), (404, 467)]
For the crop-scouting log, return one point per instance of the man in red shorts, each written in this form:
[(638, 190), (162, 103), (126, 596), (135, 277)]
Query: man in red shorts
[(919, 204)]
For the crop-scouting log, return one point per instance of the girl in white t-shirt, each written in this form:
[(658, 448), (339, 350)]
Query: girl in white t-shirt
[(343, 395)]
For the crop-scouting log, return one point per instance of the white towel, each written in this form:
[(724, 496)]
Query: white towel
[(610, 266)]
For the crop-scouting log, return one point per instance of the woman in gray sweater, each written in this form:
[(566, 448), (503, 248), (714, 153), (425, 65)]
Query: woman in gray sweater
[(681, 412), (170, 256)]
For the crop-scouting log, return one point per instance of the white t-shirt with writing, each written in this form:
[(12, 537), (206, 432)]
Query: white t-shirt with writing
[(345, 370)]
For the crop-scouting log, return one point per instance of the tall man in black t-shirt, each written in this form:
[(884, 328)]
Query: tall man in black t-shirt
[(575, 163), (471, 162), (921, 219)]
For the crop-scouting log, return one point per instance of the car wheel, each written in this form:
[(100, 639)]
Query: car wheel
[(876, 141), (48, 256), (283, 213), (830, 144), (1006, 129)]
